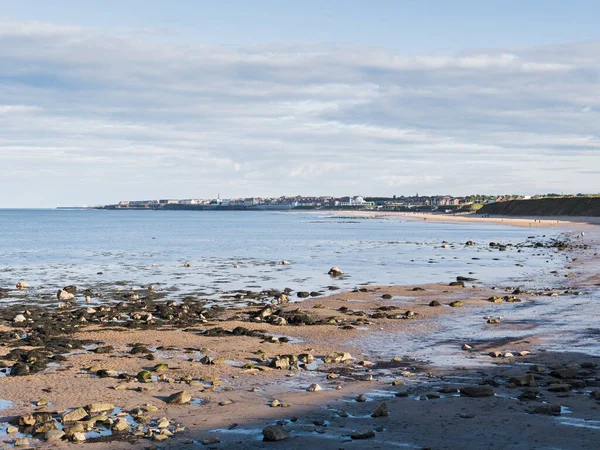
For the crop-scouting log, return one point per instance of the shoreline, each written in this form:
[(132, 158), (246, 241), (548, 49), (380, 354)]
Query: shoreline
[(239, 388)]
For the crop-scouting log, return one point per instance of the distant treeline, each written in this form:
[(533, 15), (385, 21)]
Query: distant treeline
[(565, 206)]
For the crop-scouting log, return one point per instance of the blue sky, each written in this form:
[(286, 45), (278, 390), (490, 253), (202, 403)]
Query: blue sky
[(103, 100)]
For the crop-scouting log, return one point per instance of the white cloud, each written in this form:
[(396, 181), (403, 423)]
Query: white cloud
[(150, 118)]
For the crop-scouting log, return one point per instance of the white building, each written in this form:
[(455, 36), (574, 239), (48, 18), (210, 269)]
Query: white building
[(357, 201)]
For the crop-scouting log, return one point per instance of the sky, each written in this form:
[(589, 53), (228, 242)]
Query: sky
[(102, 101)]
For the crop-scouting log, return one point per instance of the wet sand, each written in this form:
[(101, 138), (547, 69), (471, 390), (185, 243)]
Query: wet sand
[(231, 398)]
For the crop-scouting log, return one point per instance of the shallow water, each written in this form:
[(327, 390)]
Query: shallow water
[(50, 249)]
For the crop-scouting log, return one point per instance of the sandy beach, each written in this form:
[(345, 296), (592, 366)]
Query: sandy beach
[(325, 372)]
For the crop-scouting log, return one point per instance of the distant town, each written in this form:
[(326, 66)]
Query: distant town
[(445, 203)]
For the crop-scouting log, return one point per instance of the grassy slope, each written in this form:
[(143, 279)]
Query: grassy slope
[(573, 206)]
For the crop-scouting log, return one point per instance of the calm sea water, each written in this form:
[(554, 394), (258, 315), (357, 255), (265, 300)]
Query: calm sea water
[(52, 248)]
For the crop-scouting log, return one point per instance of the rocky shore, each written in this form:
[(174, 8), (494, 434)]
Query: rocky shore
[(310, 369)]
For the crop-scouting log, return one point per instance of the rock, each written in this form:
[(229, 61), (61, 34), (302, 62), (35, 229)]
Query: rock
[(550, 410), (477, 391), (559, 387), (277, 320), (275, 403), (120, 425), (160, 437), (285, 263), (274, 433), (180, 398), (335, 272), (564, 373), (11, 429), (160, 367), (363, 434), (64, 296), (19, 369), (22, 285), (361, 398), (27, 420), (70, 289), (54, 435), (434, 303), (457, 283), (525, 380), (282, 299), (284, 362), (144, 376), (75, 415), (78, 437), (466, 347), (338, 357), (210, 441), (456, 304), (314, 388), (187, 264), (45, 426), (19, 318), (96, 408), (381, 411), (22, 442), (303, 294)]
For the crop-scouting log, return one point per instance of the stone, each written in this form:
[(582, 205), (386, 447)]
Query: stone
[(275, 403), (559, 387), (549, 410), (434, 303), (144, 376), (75, 415), (22, 442), (45, 426), (564, 373), (120, 425), (54, 435), (160, 367), (11, 429), (335, 271), (338, 357), (365, 433), (22, 285), (466, 347), (381, 411), (524, 380), (64, 296), (456, 304), (361, 398), (27, 420), (19, 318), (274, 433), (78, 437), (96, 408), (282, 299), (477, 391), (180, 398), (160, 437), (210, 441), (285, 263), (314, 388), (19, 369)]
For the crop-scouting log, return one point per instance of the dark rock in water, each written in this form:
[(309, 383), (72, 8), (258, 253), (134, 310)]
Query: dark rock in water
[(529, 394), (417, 289), (335, 272), (386, 296), (559, 388), (363, 434), (525, 380), (303, 294), (435, 303), (381, 411), (477, 391), (457, 283), (361, 398), (70, 289), (549, 410), (469, 243), (315, 294), (564, 373), (274, 433), (138, 348), (459, 278), (19, 369)]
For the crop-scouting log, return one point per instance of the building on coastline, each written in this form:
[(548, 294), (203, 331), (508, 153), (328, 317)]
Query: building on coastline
[(356, 201)]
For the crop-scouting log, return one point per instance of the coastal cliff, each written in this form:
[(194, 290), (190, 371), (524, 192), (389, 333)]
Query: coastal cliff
[(570, 206)]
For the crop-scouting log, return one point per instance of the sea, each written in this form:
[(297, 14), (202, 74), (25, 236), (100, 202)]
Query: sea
[(229, 251)]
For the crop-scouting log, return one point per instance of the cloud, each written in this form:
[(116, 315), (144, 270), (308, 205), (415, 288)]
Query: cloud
[(95, 116)]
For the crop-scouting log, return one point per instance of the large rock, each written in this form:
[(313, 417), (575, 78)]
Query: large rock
[(381, 411), (64, 296), (549, 410), (75, 415), (54, 435), (365, 433), (180, 398), (19, 369), (477, 391), (338, 357), (275, 433), (22, 285), (335, 271), (96, 408), (525, 380), (284, 362)]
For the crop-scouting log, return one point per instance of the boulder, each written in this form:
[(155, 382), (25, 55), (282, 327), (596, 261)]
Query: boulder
[(338, 357), (435, 303), (275, 433), (64, 296), (524, 380), (19, 318), (97, 408), (476, 391), (559, 387), (54, 435), (19, 369), (365, 433), (180, 398), (381, 411), (22, 285), (314, 388), (335, 271), (549, 410), (75, 415), (70, 289)]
